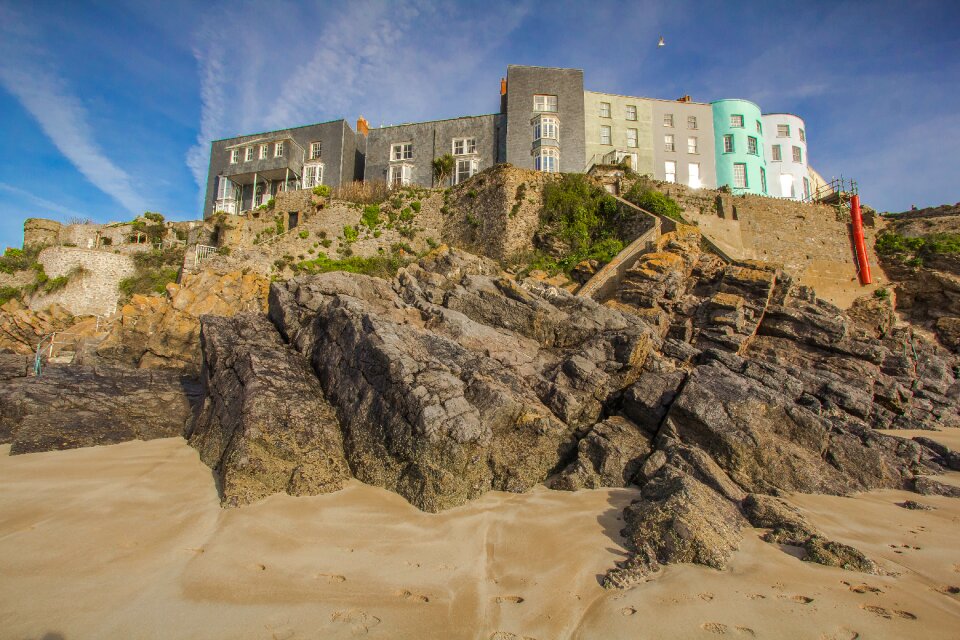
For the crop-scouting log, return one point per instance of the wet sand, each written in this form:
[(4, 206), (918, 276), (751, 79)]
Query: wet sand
[(129, 541)]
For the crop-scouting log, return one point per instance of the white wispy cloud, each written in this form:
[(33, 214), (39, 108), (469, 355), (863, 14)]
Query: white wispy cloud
[(314, 62), (42, 204), (29, 75)]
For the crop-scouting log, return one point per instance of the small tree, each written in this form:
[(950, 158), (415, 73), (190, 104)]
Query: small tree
[(442, 168)]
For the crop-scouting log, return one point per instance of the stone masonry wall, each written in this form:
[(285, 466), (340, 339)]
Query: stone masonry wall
[(92, 292), (811, 241)]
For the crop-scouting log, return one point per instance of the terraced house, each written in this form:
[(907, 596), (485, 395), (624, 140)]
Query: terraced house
[(547, 121)]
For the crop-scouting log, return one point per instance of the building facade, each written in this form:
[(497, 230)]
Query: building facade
[(547, 122), (786, 154), (739, 146)]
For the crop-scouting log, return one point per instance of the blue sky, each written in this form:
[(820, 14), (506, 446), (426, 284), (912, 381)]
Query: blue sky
[(108, 108)]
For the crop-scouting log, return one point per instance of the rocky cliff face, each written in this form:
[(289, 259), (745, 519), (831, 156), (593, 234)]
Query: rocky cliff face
[(711, 386)]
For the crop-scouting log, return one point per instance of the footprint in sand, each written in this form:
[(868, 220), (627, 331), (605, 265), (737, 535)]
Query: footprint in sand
[(844, 633), (258, 567), (331, 577), (947, 590), (506, 635), (705, 596), (715, 627), (628, 611), (359, 621), (412, 597), (508, 599), (864, 588), (799, 599), (746, 630), (756, 596), (888, 613)]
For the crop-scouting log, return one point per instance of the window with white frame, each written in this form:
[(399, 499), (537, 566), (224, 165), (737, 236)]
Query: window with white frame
[(797, 154), (465, 168), (631, 137), (546, 127), (728, 143), (693, 171), (264, 151), (740, 175), (691, 122), (248, 154), (668, 119), (234, 156), (401, 151), (751, 145), (631, 112), (312, 175), (546, 103), (225, 189), (314, 150), (605, 135), (668, 144), (775, 153), (547, 160), (400, 175), (803, 135), (278, 150), (783, 131), (692, 144), (736, 121), (604, 109), (670, 171), (464, 146)]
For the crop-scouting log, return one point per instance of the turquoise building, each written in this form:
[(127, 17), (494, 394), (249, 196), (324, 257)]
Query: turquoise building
[(738, 135)]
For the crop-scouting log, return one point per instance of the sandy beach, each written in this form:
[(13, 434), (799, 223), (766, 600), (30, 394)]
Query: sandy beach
[(129, 541)]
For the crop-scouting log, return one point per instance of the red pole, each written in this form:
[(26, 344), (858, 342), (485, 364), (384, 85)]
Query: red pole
[(857, 221)]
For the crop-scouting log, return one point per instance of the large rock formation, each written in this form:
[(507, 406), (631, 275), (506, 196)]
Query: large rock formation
[(164, 332), (74, 406), (265, 426)]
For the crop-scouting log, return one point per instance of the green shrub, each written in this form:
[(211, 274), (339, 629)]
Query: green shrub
[(654, 201), (472, 193), (321, 190), (472, 220), (913, 251), (415, 205), (278, 223), (406, 214), (381, 266), (326, 242), (350, 234), (432, 243), (14, 260), (882, 293), (371, 216), (154, 281), (9, 293), (224, 251), (304, 234), (153, 216), (377, 233)]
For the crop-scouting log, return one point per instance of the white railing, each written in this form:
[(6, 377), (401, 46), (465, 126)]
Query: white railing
[(227, 205), (201, 253)]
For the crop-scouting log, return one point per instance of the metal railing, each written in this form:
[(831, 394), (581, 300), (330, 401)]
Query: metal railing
[(201, 253)]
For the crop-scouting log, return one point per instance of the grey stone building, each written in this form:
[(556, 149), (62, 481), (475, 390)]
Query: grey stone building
[(403, 154), (246, 171)]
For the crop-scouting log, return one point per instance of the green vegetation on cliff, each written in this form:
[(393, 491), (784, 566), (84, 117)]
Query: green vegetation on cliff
[(913, 250), (645, 197), (154, 271), (380, 266)]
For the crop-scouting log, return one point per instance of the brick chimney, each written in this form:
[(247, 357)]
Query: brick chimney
[(363, 126)]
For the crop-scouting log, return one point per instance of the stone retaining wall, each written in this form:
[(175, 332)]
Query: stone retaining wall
[(93, 292)]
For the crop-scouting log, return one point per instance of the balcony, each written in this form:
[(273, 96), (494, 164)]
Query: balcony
[(287, 167)]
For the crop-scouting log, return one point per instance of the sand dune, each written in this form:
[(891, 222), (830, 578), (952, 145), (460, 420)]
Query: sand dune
[(129, 541)]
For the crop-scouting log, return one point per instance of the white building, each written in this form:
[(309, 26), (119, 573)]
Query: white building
[(785, 148)]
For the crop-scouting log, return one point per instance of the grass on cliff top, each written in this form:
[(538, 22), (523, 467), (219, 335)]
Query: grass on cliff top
[(645, 197), (583, 218), (14, 260), (379, 266), (154, 270), (913, 250)]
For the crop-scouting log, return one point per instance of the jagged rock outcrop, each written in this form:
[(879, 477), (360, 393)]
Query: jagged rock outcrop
[(72, 406), (455, 380), (21, 329), (164, 332), (265, 426)]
